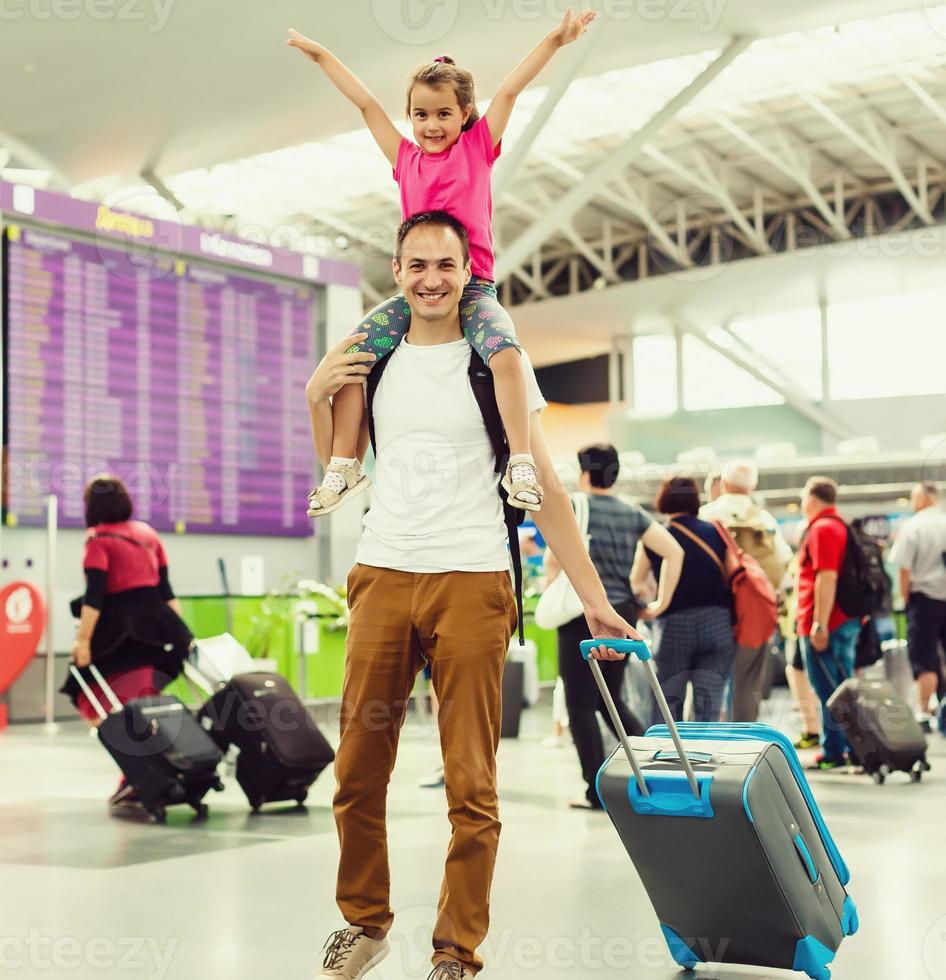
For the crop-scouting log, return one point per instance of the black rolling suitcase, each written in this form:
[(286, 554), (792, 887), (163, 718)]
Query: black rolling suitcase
[(727, 839), (281, 750), (880, 728), (158, 745)]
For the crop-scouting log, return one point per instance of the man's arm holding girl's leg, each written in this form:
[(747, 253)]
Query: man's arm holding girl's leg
[(335, 370)]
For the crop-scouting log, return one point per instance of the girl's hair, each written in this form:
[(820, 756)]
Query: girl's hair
[(679, 494), (444, 71), (107, 501)]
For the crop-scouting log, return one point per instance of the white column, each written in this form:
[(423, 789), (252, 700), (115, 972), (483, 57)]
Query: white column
[(825, 353), (614, 371), (627, 371), (678, 372)]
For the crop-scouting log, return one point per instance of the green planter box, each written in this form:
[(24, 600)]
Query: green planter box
[(266, 627)]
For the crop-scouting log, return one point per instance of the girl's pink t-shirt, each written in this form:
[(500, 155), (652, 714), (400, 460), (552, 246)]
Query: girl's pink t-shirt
[(457, 181)]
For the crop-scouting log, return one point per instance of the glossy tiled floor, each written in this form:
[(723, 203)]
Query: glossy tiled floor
[(251, 897)]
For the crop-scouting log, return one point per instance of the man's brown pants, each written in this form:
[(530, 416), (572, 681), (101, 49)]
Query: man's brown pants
[(461, 622)]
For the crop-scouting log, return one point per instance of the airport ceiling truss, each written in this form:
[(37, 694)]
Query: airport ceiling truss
[(758, 148), (719, 182)]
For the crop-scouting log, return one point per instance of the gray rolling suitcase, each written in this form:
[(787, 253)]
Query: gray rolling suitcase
[(880, 728), (729, 843)]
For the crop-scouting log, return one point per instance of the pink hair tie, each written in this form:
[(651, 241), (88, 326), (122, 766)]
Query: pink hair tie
[(441, 58)]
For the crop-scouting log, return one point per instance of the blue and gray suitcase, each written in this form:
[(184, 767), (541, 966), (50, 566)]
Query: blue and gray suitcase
[(727, 839)]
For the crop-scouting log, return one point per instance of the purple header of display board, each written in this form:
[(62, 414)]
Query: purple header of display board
[(116, 225)]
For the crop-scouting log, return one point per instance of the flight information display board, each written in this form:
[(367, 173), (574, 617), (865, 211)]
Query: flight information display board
[(186, 380)]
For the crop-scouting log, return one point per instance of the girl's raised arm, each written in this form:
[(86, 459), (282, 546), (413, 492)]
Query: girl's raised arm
[(571, 28), (376, 119)]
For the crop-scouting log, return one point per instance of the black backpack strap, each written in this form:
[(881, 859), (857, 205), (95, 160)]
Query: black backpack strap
[(803, 542), (481, 381), (371, 386)]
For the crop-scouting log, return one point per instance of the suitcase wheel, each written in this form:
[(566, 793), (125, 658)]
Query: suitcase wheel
[(302, 798), (916, 773), (881, 774), (255, 803), (202, 811), (159, 814), (217, 787)]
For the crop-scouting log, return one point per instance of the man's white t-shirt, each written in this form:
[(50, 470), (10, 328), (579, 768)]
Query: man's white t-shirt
[(435, 505), (920, 547)]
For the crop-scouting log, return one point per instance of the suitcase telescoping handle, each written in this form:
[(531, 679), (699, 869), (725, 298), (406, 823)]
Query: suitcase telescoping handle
[(639, 649), (103, 686)]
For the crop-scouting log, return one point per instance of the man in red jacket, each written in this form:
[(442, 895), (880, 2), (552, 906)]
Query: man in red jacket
[(828, 636)]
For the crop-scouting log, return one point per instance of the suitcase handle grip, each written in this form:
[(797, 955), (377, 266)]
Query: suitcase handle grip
[(640, 649), (637, 648), (670, 755), (804, 856)]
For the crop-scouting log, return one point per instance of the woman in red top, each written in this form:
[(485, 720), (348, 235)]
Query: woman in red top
[(130, 622)]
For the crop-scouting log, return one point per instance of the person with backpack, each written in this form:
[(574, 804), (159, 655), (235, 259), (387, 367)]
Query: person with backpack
[(826, 631), (693, 623), (432, 583), (757, 533)]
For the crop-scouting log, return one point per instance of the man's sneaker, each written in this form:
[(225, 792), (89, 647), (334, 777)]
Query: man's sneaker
[(340, 482), (451, 970), (925, 721), (350, 954), (807, 740), (824, 764), (435, 780)]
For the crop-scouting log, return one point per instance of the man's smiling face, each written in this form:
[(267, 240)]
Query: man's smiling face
[(432, 271)]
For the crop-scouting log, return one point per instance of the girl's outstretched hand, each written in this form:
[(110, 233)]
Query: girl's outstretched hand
[(573, 26), (312, 49)]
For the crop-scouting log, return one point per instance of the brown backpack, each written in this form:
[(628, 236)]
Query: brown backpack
[(755, 538)]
